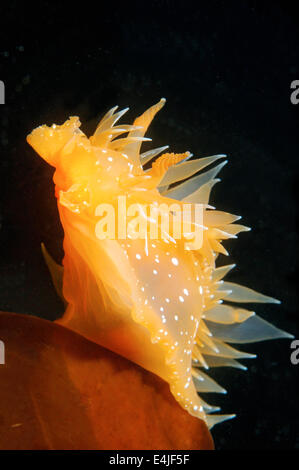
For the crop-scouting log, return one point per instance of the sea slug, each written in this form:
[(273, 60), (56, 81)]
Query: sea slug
[(156, 298)]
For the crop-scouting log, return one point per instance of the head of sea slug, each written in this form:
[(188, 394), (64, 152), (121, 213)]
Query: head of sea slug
[(48, 141), (100, 162), (53, 144), (153, 301)]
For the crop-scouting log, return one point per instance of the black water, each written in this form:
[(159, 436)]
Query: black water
[(226, 69)]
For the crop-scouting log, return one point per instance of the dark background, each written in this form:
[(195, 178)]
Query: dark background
[(225, 68)]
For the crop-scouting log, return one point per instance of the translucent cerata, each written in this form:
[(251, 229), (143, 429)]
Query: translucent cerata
[(157, 300)]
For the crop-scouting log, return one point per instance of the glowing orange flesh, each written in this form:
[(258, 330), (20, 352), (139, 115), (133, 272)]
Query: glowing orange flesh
[(152, 301)]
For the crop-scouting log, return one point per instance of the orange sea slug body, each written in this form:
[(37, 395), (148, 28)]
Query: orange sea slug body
[(150, 300)]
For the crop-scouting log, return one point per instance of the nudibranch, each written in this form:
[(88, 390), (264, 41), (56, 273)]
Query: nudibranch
[(158, 301)]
